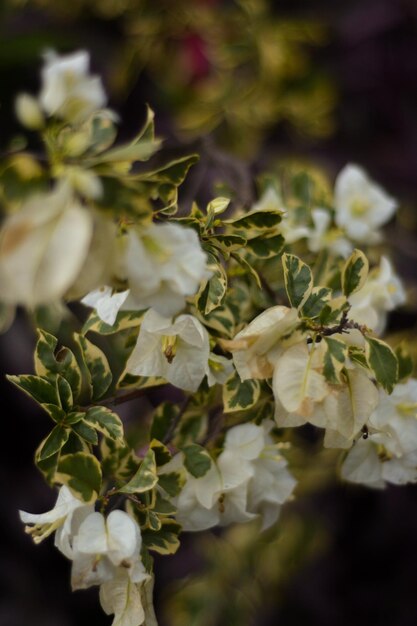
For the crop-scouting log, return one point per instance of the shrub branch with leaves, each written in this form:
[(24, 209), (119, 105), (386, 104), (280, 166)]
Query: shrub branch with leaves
[(249, 320)]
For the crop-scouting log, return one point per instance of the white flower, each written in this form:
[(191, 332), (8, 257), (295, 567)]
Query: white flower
[(322, 237), (303, 395), (361, 205), (43, 524), (254, 347), (389, 454), (68, 90), (382, 292), (43, 247), (106, 303), (177, 351), (269, 201), (219, 369), (249, 479), (100, 545), (131, 603), (297, 381), (163, 264)]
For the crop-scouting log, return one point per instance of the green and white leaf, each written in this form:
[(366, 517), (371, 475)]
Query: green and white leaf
[(37, 387), (383, 362), (145, 478), (81, 472), (316, 301), (405, 362), (354, 273), (165, 541), (196, 460), (105, 422), (213, 291), (97, 367), (240, 395), (334, 359), (54, 442), (49, 361), (298, 279)]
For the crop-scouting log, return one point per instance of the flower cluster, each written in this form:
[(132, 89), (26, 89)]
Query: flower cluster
[(217, 303), (249, 479), (104, 551), (388, 454)]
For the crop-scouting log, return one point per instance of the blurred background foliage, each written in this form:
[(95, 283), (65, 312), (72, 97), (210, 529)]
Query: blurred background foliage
[(246, 83)]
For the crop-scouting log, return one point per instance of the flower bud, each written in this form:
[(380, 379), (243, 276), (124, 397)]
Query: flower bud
[(28, 112)]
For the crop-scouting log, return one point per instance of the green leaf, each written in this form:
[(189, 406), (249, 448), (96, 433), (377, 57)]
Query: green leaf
[(240, 395), (49, 361), (162, 454), (54, 442), (73, 417), (145, 478), (227, 243), (405, 362), (163, 506), (97, 366), (86, 432), (334, 359), (165, 540), (55, 412), (247, 267), (81, 472), (357, 355), (213, 291), (37, 387), (65, 393), (118, 460), (354, 273), (255, 221), (163, 417), (106, 422), (173, 172), (265, 247), (315, 302), (124, 320), (383, 362), (298, 279), (171, 483), (196, 460)]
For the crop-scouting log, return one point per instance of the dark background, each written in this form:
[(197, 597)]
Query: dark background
[(367, 573)]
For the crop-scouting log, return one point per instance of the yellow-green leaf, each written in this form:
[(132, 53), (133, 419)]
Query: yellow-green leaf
[(240, 395), (298, 279), (354, 273), (145, 478), (81, 472)]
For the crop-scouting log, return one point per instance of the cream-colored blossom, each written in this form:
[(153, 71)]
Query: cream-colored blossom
[(322, 237), (163, 264), (177, 351), (42, 525), (361, 205), (248, 480), (28, 112), (130, 602), (43, 247), (297, 381), (382, 292), (303, 395), (389, 454), (254, 347), (68, 90), (106, 303)]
